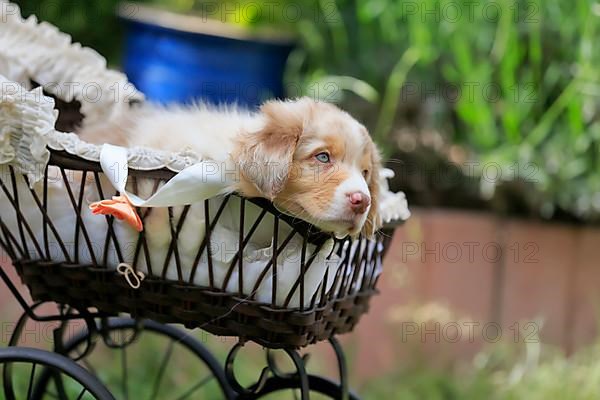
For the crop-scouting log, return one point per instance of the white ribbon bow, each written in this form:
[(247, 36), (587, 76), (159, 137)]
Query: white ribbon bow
[(196, 183)]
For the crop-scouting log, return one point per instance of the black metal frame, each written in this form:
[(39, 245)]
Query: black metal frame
[(98, 324)]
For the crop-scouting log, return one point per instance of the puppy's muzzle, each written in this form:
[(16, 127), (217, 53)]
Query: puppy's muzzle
[(359, 202)]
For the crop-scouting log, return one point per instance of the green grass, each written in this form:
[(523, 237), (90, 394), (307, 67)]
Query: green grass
[(500, 372)]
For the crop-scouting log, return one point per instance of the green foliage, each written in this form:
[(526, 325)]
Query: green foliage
[(500, 373), (430, 385), (522, 76)]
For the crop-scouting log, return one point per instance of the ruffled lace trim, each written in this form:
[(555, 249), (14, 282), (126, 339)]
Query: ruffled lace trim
[(40, 52), (27, 118), (140, 158)]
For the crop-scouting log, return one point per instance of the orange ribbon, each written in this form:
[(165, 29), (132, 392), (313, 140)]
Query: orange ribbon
[(121, 208)]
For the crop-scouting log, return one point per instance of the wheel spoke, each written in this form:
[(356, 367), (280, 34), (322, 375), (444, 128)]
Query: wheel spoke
[(161, 369), (60, 389), (81, 394), (31, 379), (195, 388)]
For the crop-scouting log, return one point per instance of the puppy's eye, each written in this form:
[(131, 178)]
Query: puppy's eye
[(323, 157), (365, 173)]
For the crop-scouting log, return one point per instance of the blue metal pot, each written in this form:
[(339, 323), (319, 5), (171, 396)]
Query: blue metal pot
[(175, 58)]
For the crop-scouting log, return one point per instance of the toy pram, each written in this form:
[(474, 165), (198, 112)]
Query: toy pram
[(95, 271)]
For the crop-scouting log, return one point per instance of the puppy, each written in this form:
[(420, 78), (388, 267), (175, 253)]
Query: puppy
[(311, 159)]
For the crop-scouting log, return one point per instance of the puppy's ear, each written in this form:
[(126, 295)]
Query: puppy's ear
[(373, 222), (265, 157)]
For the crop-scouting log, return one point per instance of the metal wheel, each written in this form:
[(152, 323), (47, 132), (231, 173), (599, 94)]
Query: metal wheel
[(22, 368), (147, 360), (295, 383)]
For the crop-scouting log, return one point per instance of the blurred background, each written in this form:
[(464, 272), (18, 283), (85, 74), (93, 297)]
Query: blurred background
[(487, 111)]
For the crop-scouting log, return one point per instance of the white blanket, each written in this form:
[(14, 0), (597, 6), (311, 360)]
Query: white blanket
[(223, 244)]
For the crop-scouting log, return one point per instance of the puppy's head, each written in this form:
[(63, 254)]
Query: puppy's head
[(316, 162)]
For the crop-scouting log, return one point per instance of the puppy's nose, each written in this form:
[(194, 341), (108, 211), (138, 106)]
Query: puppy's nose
[(359, 202)]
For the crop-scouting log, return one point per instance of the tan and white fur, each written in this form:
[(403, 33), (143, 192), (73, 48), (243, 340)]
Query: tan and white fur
[(313, 160)]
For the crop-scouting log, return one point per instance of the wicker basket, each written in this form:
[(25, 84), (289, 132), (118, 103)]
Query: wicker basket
[(94, 285)]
